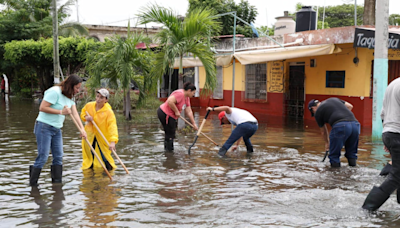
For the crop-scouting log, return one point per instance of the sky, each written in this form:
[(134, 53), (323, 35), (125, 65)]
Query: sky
[(118, 12)]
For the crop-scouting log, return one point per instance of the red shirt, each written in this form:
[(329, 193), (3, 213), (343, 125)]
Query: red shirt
[(3, 84), (180, 101)]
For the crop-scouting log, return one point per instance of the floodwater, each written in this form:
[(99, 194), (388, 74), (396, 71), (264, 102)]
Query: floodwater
[(283, 184)]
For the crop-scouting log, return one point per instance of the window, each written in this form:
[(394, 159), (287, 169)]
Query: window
[(219, 90), (256, 81), (335, 79), (188, 75)]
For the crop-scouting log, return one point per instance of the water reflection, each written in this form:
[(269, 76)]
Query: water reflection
[(49, 213), (282, 184), (101, 198)]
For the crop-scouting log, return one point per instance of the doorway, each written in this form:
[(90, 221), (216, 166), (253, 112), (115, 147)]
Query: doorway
[(295, 94)]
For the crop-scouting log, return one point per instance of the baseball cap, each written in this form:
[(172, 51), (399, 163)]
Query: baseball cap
[(311, 104), (220, 116), (104, 92)]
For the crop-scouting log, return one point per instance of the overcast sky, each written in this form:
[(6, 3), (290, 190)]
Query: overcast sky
[(117, 12)]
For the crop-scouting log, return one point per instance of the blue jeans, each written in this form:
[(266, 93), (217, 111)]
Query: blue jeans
[(344, 134), (245, 130), (48, 137)]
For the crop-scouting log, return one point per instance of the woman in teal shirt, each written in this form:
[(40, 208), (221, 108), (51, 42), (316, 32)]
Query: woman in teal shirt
[(57, 102)]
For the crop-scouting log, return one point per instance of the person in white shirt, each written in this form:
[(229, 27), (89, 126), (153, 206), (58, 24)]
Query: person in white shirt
[(246, 125)]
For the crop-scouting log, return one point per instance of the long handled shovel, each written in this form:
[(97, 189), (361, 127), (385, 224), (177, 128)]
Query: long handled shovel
[(91, 148), (108, 144), (188, 123), (326, 154), (199, 131)]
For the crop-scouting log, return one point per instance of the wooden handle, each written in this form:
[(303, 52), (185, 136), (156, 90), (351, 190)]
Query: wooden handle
[(108, 144), (200, 133), (91, 148)]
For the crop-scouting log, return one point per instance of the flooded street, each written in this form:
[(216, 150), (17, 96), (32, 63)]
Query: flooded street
[(283, 184)]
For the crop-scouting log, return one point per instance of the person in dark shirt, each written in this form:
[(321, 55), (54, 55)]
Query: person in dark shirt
[(345, 128)]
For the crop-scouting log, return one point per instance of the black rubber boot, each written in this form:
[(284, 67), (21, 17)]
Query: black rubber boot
[(34, 174), (375, 199), (249, 149), (165, 144), (386, 170), (352, 161), (169, 145), (222, 151), (398, 196), (335, 165), (56, 173)]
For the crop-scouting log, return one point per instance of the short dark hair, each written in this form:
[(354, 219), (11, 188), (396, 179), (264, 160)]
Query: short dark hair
[(67, 86), (189, 85)]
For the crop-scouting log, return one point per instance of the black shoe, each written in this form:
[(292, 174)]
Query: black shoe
[(169, 145), (352, 161), (398, 196), (335, 165), (222, 151), (34, 174), (386, 170), (375, 199), (56, 173), (249, 149)]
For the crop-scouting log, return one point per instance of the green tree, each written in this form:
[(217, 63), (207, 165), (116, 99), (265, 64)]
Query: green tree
[(119, 61), (394, 19), (336, 16), (37, 56), (243, 10), (267, 30), (180, 37)]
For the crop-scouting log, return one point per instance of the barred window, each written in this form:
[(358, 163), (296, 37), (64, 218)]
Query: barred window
[(219, 90), (335, 79), (256, 81)]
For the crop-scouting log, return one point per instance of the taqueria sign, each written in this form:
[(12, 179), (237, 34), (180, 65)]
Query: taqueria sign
[(366, 39)]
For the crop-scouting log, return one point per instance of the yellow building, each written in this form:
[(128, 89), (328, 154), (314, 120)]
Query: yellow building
[(314, 65)]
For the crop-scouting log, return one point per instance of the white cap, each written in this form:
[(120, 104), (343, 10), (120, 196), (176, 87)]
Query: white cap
[(104, 92)]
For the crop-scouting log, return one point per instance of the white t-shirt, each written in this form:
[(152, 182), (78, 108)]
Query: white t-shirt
[(239, 116)]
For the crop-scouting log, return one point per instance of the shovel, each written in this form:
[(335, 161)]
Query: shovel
[(199, 131)]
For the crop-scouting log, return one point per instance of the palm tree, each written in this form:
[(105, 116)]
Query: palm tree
[(120, 62), (180, 37)]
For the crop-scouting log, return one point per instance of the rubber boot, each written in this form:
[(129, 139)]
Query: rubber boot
[(386, 170), (34, 174), (249, 149), (169, 145), (222, 151), (398, 196), (56, 173), (352, 161), (335, 165), (375, 199), (165, 144)]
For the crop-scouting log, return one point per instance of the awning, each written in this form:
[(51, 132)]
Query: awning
[(261, 56), (222, 60)]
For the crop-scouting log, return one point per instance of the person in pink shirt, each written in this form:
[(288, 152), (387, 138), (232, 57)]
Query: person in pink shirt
[(169, 112)]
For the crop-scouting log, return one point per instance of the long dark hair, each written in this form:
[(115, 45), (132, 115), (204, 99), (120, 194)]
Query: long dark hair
[(189, 85), (67, 86)]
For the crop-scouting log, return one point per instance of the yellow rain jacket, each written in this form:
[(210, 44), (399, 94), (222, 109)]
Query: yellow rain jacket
[(105, 120)]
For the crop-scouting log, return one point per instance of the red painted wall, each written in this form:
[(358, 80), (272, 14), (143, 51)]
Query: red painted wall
[(275, 105), (362, 109)]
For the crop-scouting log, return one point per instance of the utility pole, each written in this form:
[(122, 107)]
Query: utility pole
[(355, 12), (56, 58), (77, 11), (380, 65)]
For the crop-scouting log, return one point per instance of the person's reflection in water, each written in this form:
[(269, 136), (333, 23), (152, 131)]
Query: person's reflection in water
[(170, 162), (50, 213), (102, 198)]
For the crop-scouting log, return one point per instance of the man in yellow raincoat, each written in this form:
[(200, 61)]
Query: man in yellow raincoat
[(102, 114)]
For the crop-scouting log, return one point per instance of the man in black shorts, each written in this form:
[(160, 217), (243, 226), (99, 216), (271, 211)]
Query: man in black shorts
[(345, 128)]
